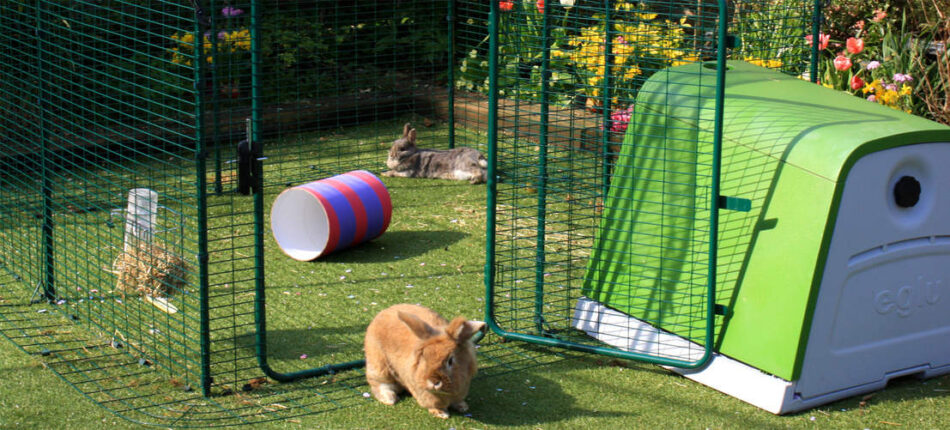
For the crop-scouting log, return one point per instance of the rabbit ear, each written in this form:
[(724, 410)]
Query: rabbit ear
[(418, 327), (462, 330), (405, 130), (412, 136)]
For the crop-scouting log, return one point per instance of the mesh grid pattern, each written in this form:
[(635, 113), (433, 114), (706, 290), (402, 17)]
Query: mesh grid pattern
[(100, 98), (605, 157)]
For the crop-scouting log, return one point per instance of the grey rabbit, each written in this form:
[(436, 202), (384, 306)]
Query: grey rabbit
[(406, 160)]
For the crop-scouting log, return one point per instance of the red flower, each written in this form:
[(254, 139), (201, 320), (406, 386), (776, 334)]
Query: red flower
[(230, 91), (541, 6), (506, 5), (823, 40), (854, 45), (856, 83), (842, 63)]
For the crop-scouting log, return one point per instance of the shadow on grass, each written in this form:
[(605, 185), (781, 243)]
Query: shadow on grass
[(544, 401), (395, 245), (287, 344)]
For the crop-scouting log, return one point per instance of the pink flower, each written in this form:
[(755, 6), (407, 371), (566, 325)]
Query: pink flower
[(901, 78), (856, 83), (506, 5), (822, 40), (859, 25), (873, 65), (540, 5), (842, 63), (879, 15), (854, 45), (872, 98), (303, 356), (231, 12), (620, 119)]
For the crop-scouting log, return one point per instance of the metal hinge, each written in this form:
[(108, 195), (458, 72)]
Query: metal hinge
[(735, 204)]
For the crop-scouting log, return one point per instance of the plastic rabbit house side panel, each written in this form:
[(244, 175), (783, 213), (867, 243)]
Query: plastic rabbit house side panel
[(835, 280)]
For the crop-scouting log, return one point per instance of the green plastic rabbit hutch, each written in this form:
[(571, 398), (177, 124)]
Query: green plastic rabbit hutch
[(832, 282), (763, 235)]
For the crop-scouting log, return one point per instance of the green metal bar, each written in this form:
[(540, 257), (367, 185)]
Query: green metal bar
[(202, 221), (492, 183), (714, 192), (606, 351), (608, 63), (202, 75), (815, 41), (49, 272), (542, 171), (211, 87), (451, 72)]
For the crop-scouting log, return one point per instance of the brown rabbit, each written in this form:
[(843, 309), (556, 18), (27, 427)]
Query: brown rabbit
[(411, 347), (409, 161)]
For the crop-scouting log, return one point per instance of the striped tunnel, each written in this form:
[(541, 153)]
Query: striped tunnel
[(315, 219)]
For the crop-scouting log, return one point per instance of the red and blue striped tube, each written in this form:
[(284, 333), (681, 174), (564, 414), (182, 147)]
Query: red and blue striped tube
[(314, 219)]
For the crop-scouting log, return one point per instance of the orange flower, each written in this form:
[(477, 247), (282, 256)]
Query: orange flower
[(506, 5)]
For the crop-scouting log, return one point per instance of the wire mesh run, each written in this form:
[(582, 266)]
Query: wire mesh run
[(146, 143), (607, 149)]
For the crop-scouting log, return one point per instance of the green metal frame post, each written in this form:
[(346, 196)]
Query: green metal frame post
[(450, 17), (540, 260), (201, 185), (492, 183), (815, 40), (49, 256), (605, 117)]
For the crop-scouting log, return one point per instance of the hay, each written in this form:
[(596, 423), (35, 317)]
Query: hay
[(149, 270)]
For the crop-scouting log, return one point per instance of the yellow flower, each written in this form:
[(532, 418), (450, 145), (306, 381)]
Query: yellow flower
[(771, 64), (905, 90)]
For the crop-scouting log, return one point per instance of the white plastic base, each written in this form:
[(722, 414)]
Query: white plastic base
[(722, 373)]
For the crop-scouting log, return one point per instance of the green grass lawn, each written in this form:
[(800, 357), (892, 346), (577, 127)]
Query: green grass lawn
[(433, 254), (561, 392)]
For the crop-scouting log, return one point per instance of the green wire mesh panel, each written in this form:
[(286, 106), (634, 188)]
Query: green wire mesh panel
[(606, 157), (92, 110), (332, 87), (20, 126)]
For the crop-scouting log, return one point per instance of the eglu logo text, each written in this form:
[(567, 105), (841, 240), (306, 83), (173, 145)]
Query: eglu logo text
[(904, 299)]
